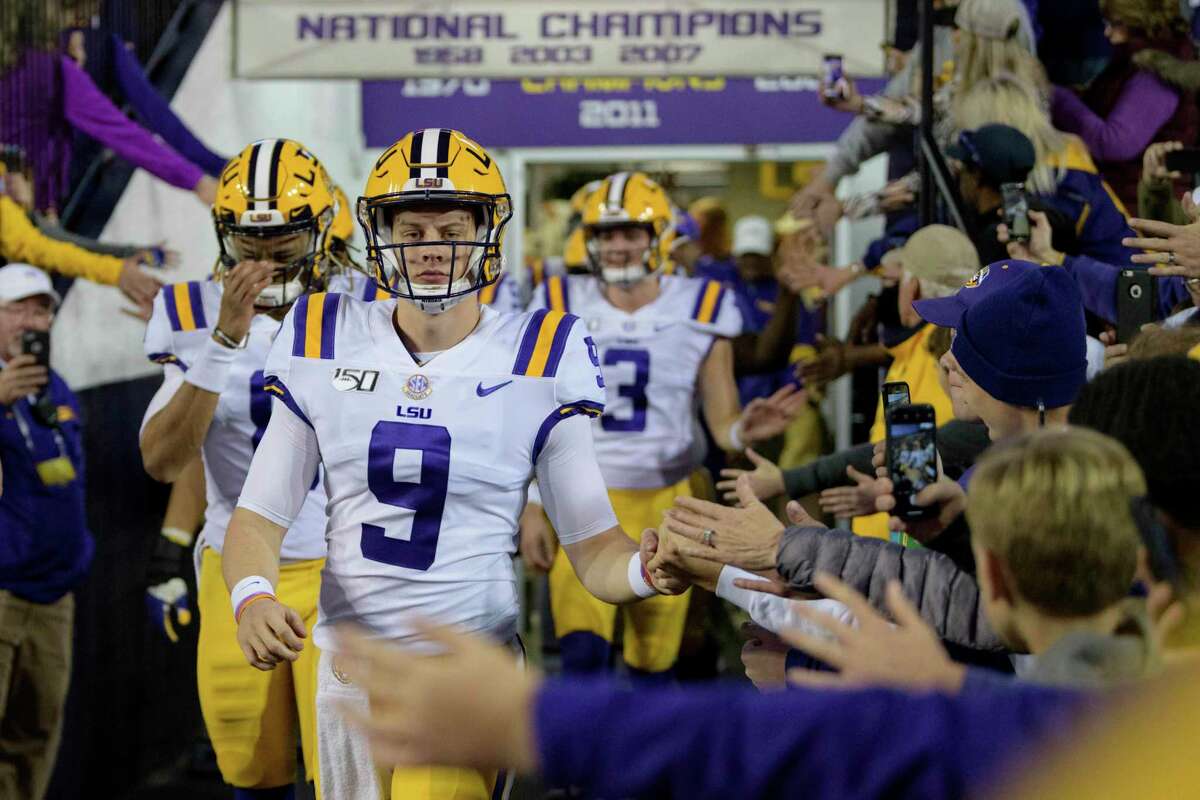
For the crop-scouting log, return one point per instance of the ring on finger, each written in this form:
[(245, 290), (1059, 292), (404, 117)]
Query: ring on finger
[(1171, 257), (707, 536)]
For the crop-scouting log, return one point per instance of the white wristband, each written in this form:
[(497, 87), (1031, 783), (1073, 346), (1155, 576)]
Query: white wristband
[(247, 589), (178, 536), (210, 372), (636, 581), (735, 436)]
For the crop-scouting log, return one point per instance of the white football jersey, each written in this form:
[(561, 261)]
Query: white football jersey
[(176, 335), (503, 295), (426, 466), (648, 436)]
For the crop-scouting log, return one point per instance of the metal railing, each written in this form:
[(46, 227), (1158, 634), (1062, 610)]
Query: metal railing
[(937, 183)]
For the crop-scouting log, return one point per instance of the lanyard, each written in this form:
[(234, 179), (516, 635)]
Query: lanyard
[(55, 471)]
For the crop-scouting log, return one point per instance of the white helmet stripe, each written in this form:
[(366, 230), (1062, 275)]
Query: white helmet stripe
[(616, 190), (262, 165), (429, 151)]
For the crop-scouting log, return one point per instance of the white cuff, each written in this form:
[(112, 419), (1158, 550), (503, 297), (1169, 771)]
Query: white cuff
[(735, 594), (178, 536), (636, 582), (210, 372), (533, 494), (735, 436), (247, 589)]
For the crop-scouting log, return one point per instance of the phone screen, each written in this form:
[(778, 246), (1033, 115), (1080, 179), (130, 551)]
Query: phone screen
[(1016, 211), (832, 78), (911, 457), (895, 394)]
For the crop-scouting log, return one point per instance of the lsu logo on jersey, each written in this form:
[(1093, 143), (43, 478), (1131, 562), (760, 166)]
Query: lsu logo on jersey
[(346, 379)]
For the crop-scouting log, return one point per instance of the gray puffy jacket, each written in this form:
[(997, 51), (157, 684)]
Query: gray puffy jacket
[(946, 595)]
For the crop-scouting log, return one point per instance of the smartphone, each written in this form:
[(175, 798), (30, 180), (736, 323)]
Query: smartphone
[(1137, 302), (895, 393), (911, 457), (1186, 160), (1016, 211), (832, 78), (37, 344)]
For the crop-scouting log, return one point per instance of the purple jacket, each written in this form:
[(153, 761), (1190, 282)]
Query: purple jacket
[(67, 99), (1097, 283), (727, 741)]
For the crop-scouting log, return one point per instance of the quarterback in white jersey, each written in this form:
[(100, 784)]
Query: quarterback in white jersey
[(430, 414), (664, 348), (272, 215)]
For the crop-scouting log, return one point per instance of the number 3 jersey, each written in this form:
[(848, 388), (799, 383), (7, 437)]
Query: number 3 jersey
[(427, 465), (177, 335), (649, 436)]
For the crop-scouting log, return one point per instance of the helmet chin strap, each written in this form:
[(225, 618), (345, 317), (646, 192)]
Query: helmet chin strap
[(278, 295), (431, 298)]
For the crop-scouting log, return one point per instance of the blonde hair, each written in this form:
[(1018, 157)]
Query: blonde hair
[(1055, 506), (978, 58), (1006, 99)]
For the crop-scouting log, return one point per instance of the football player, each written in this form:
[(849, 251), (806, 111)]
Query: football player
[(430, 414), (663, 341), (272, 215)]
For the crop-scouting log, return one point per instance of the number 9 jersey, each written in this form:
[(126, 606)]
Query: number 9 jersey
[(427, 464)]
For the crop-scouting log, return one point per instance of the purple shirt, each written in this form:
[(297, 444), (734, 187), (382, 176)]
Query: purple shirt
[(70, 100), (728, 741), (1143, 107)]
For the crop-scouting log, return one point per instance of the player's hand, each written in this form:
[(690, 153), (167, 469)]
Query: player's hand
[(135, 284), (856, 500), (766, 479), (945, 494), (242, 287), (470, 707), (270, 633), (538, 545), (906, 654), (670, 562), (167, 592), (764, 418), (665, 575), (21, 376), (764, 655), (1163, 239), (746, 537)]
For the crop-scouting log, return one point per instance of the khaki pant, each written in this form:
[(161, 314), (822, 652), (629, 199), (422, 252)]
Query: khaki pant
[(35, 670)]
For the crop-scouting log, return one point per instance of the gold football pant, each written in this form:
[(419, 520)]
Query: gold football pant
[(653, 628), (251, 715)]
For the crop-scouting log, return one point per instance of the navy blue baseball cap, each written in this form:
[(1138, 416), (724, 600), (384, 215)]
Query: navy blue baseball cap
[(1021, 333), (1001, 152)]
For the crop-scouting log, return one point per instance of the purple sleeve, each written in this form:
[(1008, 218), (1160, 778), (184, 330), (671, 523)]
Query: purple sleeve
[(90, 111), (729, 741), (1144, 106), (1097, 282), (156, 112)]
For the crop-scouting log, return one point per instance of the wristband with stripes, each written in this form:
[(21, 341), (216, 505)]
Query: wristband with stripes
[(249, 590)]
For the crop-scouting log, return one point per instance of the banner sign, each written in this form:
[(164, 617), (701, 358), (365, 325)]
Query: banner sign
[(565, 112), (540, 38)]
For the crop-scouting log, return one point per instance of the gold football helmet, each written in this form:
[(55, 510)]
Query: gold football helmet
[(435, 168), (274, 203), (627, 199)]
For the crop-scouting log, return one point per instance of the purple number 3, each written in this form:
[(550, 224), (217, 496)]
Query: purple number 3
[(426, 498)]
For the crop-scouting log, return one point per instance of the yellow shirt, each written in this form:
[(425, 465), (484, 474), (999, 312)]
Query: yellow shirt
[(21, 241), (915, 365)]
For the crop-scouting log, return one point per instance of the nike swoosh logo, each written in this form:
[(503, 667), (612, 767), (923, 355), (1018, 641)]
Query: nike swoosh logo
[(482, 392)]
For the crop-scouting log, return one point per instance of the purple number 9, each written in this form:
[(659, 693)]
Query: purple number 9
[(426, 498)]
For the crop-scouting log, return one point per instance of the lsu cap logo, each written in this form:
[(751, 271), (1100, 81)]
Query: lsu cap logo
[(977, 278)]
